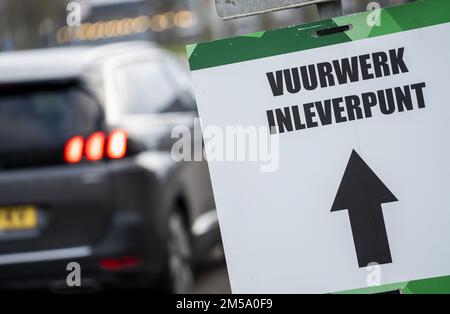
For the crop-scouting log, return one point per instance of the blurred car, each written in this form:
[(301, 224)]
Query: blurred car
[(86, 173)]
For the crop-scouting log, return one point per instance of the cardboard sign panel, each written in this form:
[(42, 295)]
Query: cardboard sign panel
[(358, 195), (239, 8)]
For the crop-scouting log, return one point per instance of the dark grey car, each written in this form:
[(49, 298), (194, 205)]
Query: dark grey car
[(86, 173)]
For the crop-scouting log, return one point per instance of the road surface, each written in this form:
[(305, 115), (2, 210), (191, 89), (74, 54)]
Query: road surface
[(212, 277)]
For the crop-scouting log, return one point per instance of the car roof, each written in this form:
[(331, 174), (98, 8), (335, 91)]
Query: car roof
[(62, 63)]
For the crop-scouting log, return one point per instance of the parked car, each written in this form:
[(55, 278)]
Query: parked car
[(86, 173)]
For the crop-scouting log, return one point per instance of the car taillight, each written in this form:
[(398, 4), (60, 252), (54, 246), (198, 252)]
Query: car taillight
[(95, 146), (117, 144), (73, 152), (114, 264)]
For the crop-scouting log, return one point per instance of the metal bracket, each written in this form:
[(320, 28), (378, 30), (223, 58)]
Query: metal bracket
[(330, 9), (232, 9)]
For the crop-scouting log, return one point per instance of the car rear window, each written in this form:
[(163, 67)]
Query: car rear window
[(44, 115), (36, 120)]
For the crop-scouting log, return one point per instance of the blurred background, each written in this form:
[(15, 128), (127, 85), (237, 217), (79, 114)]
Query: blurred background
[(173, 23), (31, 24)]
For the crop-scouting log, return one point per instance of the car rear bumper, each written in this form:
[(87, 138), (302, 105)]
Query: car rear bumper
[(48, 269), (128, 219)]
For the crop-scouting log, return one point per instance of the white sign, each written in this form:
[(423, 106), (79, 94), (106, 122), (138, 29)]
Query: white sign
[(364, 166)]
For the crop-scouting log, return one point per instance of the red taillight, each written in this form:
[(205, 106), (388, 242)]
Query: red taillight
[(73, 152), (95, 146), (114, 264), (117, 144)]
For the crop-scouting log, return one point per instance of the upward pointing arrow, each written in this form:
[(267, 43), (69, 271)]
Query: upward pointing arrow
[(361, 192)]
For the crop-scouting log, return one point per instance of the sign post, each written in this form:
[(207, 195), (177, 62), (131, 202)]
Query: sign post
[(329, 9), (242, 8), (360, 175)]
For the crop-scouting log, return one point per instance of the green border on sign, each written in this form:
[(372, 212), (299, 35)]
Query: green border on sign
[(394, 19), (438, 285)]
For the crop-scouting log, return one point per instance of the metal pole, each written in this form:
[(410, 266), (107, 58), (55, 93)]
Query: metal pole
[(330, 9)]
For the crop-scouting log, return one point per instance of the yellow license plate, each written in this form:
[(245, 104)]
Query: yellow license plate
[(18, 218)]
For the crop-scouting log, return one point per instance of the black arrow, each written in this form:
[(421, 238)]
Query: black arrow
[(361, 192)]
